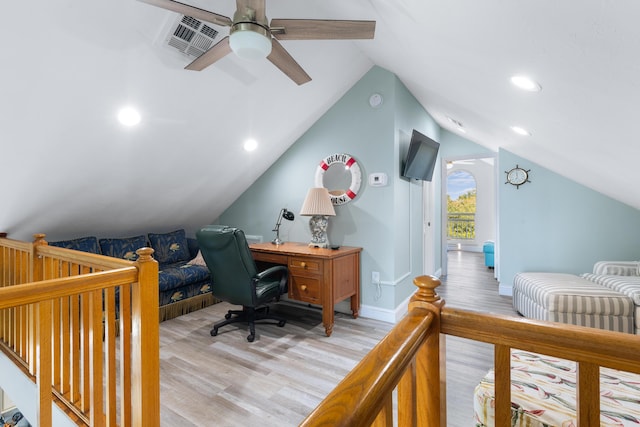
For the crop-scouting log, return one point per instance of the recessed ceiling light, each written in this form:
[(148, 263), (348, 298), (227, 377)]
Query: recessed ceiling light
[(129, 116), (526, 83), (520, 131), (250, 144)]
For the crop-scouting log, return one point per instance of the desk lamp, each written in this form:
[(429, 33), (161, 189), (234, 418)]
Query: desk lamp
[(286, 214), (318, 206)]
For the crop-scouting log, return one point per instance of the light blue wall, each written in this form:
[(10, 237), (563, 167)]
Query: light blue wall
[(554, 224), (409, 213), (381, 220), (551, 224)]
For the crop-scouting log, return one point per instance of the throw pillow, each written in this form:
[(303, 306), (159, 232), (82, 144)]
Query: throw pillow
[(198, 260), (123, 248), (84, 244), (170, 247)]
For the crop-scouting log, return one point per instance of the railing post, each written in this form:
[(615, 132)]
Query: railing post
[(430, 373), (36, 268), (35, 273), (145, 351), (40, 323)]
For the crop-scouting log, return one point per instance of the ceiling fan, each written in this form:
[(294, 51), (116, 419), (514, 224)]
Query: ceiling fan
[(251, 36)]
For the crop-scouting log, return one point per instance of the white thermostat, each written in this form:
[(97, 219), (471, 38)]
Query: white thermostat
[(378, 179)]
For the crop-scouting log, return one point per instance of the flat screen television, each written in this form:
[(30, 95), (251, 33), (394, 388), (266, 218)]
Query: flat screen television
[(421, 157)]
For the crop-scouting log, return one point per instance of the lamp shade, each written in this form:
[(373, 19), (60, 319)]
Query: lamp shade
[(317, 202)]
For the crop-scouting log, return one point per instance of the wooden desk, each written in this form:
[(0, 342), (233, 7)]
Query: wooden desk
[(316, 275)]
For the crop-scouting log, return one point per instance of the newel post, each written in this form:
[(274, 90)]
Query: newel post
[(145, 343), (431, 358), (36, 268), (41, 332)]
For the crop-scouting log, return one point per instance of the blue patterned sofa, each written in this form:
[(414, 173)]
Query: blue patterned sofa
[(184, 282)]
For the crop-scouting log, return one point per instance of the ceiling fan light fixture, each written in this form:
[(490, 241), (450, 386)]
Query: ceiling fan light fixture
[(250, 41)]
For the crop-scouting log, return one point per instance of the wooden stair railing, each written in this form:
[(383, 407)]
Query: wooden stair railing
[(412, 357), (407, 358), (64, 300)]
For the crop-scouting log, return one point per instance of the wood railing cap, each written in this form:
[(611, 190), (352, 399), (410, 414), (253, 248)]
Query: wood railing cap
[(145, 254), (426, 295), (38, 239)]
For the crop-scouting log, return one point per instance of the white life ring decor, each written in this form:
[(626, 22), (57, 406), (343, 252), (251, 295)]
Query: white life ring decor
[(340, 197)]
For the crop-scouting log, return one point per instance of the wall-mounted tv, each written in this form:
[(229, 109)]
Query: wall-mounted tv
[(421, 157)]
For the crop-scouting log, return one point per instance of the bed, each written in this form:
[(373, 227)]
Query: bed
[(543, 394)]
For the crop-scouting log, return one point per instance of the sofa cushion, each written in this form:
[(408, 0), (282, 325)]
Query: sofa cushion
[(184, 292), (628, 285), (124, 248), (84, 244), (170, 247), (179, 274), (617, 268)]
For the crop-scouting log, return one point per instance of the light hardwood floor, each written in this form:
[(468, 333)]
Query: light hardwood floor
[(285, 373)]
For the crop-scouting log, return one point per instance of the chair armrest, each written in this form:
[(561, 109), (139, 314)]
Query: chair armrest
[(276, 269), (616, 268)]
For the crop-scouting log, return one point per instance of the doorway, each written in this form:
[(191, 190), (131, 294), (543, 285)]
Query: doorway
[(474, 190)]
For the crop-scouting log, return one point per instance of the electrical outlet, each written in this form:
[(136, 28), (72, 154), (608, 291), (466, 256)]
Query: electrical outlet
[(375, 277)]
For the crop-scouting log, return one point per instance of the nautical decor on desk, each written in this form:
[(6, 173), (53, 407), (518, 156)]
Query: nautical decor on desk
[(318, 205), (286, 214)]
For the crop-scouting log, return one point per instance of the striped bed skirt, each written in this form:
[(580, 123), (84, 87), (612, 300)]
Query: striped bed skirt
[(567, 298)]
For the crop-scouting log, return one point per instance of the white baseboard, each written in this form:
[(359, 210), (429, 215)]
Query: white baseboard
[(505, 290), (385, 314)]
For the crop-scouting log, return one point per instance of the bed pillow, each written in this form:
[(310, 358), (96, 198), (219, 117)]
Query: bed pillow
[(84, 244), (123, 248), (170, 247)]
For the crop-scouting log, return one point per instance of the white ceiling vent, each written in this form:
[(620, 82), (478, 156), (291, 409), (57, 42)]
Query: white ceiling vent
[(191, 36)]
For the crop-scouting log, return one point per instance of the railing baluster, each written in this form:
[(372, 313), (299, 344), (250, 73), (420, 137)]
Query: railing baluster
[(502, 386), (588, 394), (43, 361)]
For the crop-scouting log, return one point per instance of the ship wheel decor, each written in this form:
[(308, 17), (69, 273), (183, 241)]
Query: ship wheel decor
[(517, 176)]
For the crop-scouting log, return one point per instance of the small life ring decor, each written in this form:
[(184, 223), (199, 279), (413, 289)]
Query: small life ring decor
[(340, 197)]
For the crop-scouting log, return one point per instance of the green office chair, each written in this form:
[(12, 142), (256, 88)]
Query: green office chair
[(236, 279)]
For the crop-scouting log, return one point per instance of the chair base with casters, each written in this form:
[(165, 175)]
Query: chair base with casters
[(248, 315), (236, 279)]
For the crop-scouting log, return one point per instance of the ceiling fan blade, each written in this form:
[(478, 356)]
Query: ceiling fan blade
[(256, 5), (321, 29), (214, 53), (192, 11), (285, 62)]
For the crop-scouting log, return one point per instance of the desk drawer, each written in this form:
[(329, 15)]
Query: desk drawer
[(270, 258), (299, 266), (305, 289)]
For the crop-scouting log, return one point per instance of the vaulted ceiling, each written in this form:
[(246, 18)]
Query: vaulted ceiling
[(69, 65)]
